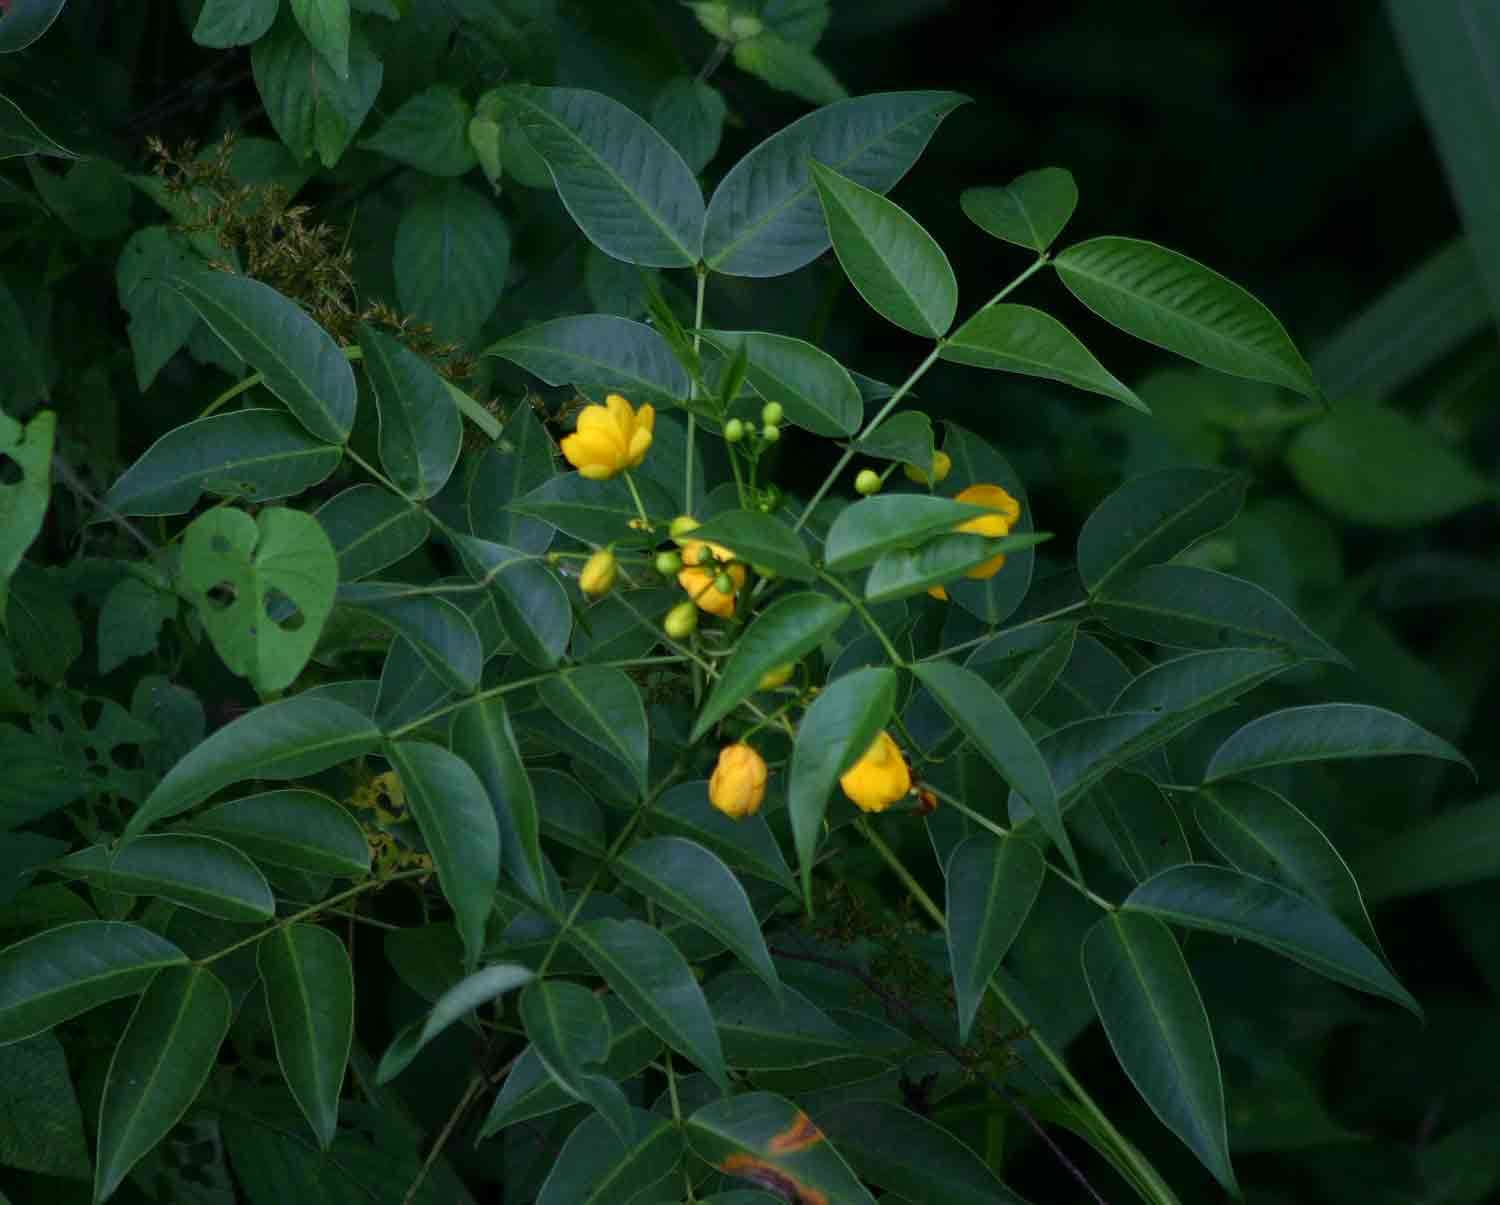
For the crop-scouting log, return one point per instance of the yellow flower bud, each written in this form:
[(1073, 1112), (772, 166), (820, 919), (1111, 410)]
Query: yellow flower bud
[(681, 525), (776, 676), (599, 572), (610, 438), (681, 620), (738, 784), (942, 465), (879, 778)]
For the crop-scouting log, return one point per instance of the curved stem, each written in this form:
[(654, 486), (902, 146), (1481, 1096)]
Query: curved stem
[(869, 620)]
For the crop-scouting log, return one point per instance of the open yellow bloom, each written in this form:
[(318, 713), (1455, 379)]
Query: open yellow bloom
[(701, 572), (610, 438), (1006, 510), (738, 784), (879, 778)]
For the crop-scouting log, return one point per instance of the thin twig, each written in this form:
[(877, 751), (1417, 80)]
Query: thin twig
[(895, 1003)]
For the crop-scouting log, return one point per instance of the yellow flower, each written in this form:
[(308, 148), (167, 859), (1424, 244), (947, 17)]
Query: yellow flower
[(1006, 510), (698, 578), (610, 438), (879, 778), (942, 465), (598, 576), (739, 781)]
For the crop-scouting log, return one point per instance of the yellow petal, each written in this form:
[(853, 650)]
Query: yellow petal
[(987, 570), (640, 444), (938, 593), (597, 472)]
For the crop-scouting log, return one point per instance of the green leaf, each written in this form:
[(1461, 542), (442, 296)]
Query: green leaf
[(225, 23), (760, 539), (163, 1060), (788, 67), (1155, 1021), (420, 429), (1188, 607), (690, 114), (298, 360), (1459, 845), (312, 108), (451, 256), (453, 1005), (482, 736), (512, 468), (1370, 464), (161, 319), (598, 512), (787, 630), (976, 462), (764, 218), (1220, 900), (27, 452), (288, 739), (67, 970), (652, 978), (428, 132), (1020, 339), (1325, 732), (600, 1166), (817, 391), (747, 845), (896, 265), (370, 528), (200, 873), (1175, 302), (689, 881), (599, 353), (1452, 74), (765, 1031), (1258, 832), (1127, 819), (836, 730), (570, 816), (20, 136), (291, 828), (906, 1153), (623, 183), (531, 602), (41, 1125), (440, 633), (310, 997), (1153, 517), (258, 455), (458, 824), (263, 587), (130, 621), (570, 1032), (986, 719), (604, 707), (868, 529), (766, 1139), (326, 24), (902, 572), (26, 21), (1185, 689), (1415, 323), (992, 883), (906, 436), (1030, 211)]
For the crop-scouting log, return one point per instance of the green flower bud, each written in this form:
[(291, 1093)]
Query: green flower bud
[(770, 433), (867, 482), (771, 413), (668, 564), (734, 431)]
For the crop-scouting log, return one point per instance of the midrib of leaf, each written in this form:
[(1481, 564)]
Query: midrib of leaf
[(270, 349), (243, 462), (371, 532), (893, 278), (1172, 518), (613, 370), (1207, 332), (132, 1121), (1158, 609), (304, 1001), (792, 198), (609, 170), (619, 745)]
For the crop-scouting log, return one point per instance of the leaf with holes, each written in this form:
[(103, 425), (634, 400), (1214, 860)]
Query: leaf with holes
[(263, 588), (25, 487)]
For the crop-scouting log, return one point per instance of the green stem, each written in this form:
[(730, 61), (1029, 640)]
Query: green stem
[(869, 620), (640, 507), (324, 906), (966, 645), (692, 419), (1145, 1173), (232, 392)]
